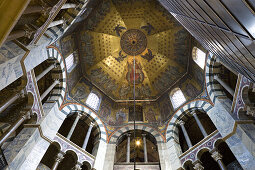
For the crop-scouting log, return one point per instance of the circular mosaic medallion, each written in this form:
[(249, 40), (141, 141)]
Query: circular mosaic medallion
[(133, 42)]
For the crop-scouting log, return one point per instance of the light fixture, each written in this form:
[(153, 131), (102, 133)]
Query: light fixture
[(138, 142)]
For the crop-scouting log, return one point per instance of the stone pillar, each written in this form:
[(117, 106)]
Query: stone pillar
[(87, 136), (45, 72), (128, 148), (145, 148), (12, 100), (224, 85), (56, 82), (185, 134), (74, 125), (6, 135), (55, 23), (59, 158), (201, 127), (198, 165), (218, 158)]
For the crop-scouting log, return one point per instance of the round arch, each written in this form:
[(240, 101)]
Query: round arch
[(212, 67), (172, 130), (69, 108), (58, 95), (115, 135)]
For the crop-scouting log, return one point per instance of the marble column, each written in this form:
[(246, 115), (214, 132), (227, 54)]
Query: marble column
[(185, 134), (56, 82), (201, 127), (218, 158), (11, 129), (45, 72), (59, 158), (87, 136), (145, 148), (12, 100), (128, 148), (224, 85), (73, 126), (55, 23), (198, 165)]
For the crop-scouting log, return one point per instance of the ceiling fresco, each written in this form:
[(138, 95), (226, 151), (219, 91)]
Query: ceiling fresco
[(121, 34)]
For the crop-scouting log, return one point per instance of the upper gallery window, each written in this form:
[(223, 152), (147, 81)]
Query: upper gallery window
[(199, 57), (93, 101), (177, 98), (70, 62)]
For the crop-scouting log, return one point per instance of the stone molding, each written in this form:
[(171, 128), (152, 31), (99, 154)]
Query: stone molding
[(207, 143)]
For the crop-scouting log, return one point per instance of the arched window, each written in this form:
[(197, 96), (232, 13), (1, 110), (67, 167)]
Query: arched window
[(93, 101), (199, 57), (177, 98), (70, 62)]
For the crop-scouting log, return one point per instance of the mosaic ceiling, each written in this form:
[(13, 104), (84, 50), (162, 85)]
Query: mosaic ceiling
[(122, 33)]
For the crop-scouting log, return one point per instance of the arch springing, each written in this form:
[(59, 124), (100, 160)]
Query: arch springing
[(199, 57)]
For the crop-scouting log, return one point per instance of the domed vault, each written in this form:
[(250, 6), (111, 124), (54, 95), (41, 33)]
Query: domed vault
[(118, 32)]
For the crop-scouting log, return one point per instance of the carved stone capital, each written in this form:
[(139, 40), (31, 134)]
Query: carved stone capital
[(216, 155), (28, 31), (77, 167), (59, 157), (180, 122), (92, 124), (198, 165), (22, 93)]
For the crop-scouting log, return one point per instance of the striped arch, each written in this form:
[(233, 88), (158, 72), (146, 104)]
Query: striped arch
[(172, 131), (70, 17), (213, 87), (58, 93), (67, 109), (115, 135)]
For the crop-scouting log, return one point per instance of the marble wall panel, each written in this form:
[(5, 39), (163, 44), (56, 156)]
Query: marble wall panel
[(10, 71), (52, 121)]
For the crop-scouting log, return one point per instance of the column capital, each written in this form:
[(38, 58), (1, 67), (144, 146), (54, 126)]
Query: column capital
[(59, 157), (22, 93), (193, 112), (216, 76), (26, 115), (198, 165), (79, 114), (77, 166), (91, 124), (144, 135), (57, 81), (28, 31), (216, 155), (181, 122), (128, 134)]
